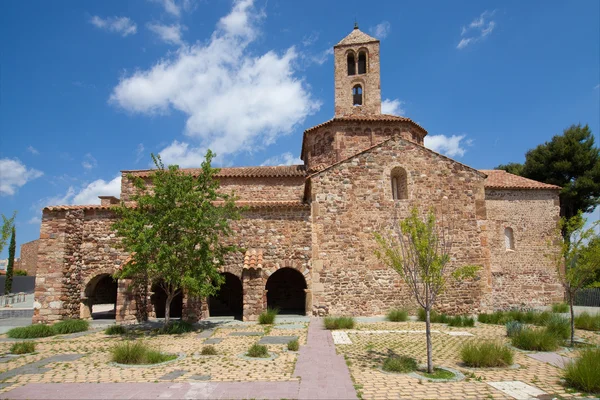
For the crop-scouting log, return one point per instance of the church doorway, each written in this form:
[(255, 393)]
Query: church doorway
[(286, 291), (101, 295), (228, 302), (159, 300)]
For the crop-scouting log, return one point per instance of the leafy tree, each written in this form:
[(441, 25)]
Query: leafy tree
[(419, 251), (7, 224), (571, 161), (11, 262), (175, 232), (578, 261)]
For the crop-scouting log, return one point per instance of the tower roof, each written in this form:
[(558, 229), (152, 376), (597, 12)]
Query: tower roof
[(355, 37)]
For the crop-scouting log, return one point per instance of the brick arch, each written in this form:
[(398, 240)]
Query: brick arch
[(271, 268), (95, 274), (235, 270), (387, 177)]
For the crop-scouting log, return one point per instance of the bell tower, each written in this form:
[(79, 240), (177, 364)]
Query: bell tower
[(356, 74)]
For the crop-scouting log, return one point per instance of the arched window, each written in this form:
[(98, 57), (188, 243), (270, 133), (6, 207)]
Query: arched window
[(351, 64), (509, 239), (362, 63), (357, 99), (399, 184)]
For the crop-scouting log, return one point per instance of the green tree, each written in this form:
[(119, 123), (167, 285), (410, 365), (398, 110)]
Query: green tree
[(175, 232), (11, 262), (7, 224), (578, 261), (419, 251), (570, 161)]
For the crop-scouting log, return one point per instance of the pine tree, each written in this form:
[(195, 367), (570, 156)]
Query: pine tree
[(11, 262)]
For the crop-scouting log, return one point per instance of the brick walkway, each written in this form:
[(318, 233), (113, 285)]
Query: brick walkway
[(323, 373)]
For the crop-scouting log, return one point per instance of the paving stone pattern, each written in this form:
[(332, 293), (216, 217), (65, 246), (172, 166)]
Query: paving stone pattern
[(38, 366), (206, 333), (215, 340), (517, 389), (173, 375), (551, 358), (277, 339), (246, 334)]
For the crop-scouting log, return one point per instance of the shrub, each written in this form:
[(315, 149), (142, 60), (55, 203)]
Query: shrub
[(560, 308), (138, 353), (536, 340), (258, 351), (116, 330), (31, 331), (293, 345), (486, 355), (513, 328), (70, 326), (559, 326), (20, 272), (209, 351), (400, 364), (397, 315), (434, 316), (584, 374), (268, 316), (461, 320), (339, 322), (587, 322), (177, 328), (497, 317), (22, 348)]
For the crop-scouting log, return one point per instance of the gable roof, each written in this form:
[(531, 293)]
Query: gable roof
[(356, 37), (368, 118), (500, 179), (282, 171)]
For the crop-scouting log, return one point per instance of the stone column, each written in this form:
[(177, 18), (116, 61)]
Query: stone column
[(192, 308), (85, 311), (308, 302), (253, 293)]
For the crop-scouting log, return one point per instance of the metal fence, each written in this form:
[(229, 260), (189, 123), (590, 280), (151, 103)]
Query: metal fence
[(588, 297)]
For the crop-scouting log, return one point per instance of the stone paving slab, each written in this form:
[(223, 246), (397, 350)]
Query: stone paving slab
[(215, 340), (246, 334), (200, 377), (517, 389), (277, 339), (289, 326), (37, 367), (340, 337), (551, 358), (206, 333), (173, 375), (458, 333), (78, 334)]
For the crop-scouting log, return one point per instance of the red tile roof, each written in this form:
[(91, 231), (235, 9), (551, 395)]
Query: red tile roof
[(355, 37), (249, 204), (282, 171), (368, 118), (499, 179), (253, 259)]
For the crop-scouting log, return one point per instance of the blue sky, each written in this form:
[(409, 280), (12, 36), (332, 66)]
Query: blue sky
[(92, 88)]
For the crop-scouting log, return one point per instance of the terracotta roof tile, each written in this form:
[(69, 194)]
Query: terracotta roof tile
[(282, 171), (368, 118), (253, 259), (355, 37), (499, 179), (249, 204)]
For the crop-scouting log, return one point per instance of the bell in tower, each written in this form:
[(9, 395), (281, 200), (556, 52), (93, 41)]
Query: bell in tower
[(357, 78)]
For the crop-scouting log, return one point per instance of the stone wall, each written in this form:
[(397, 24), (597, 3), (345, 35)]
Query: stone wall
[(28, 258), (525, 276), (352, 200)]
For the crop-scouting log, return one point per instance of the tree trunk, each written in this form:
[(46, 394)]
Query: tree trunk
[(572, 320), (428, 336), (168, 308)]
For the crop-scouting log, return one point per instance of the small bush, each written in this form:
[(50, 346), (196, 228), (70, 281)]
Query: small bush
[(397, 315), (401, 364), (560, 308), (115, 330), (209, 351), (22, 348), (559, 326), (486, 355), (461, 321), (497, 317), (339, 323), (20, 272), (513, 328), (536, 340), (293, 345), (587, 322), (268, 316), (31, 331), (584, 374), (70, 326), (138, 353), (258, 351), (177, 328), (434, 316)]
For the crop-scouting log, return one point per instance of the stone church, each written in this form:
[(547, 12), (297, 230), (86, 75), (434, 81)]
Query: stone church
[(307, 232)]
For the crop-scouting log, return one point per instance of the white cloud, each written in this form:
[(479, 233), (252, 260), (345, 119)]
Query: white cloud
[(14, 174), (597, 86), (34, 220), (381, 30), (168, 33), (121, 25), (174, 7), (451, 146), (311, 39), (322, 57), (89, 162), (286, 158), (139, 152), (86, 195), (182, 154), (234, 99), (393, 107), (477, 30), (33, 150)]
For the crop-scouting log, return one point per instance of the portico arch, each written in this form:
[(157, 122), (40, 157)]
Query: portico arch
[(286, 290), (99, 297), (229, 299)]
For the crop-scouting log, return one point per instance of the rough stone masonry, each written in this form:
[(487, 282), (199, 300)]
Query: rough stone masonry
[(308, 229)]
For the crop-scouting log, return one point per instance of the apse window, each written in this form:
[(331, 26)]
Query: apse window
[(399, 184), (351, 64), (357, 95), (509, 239)]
